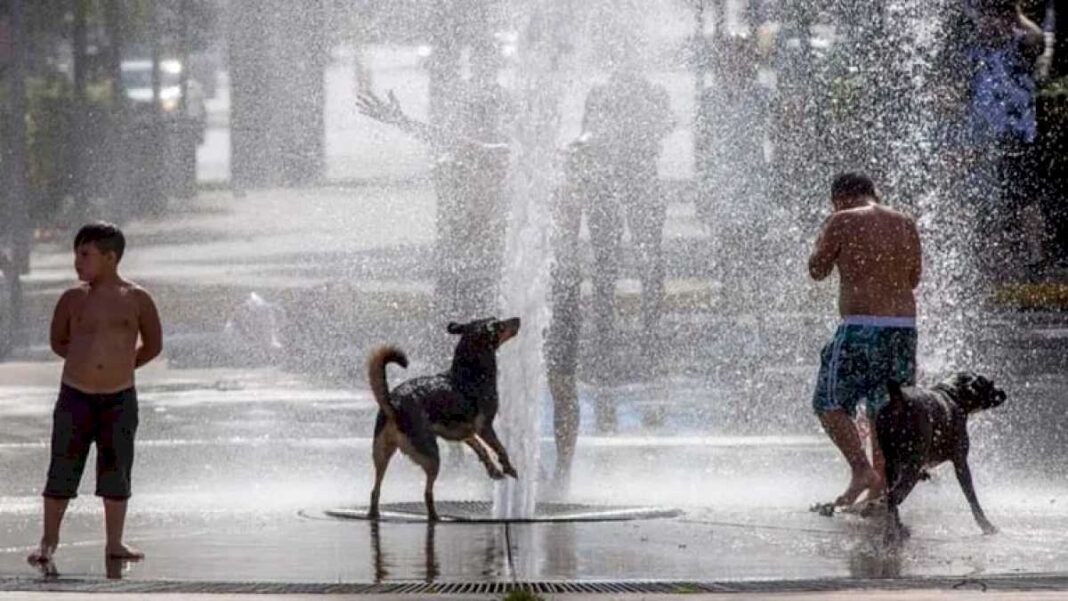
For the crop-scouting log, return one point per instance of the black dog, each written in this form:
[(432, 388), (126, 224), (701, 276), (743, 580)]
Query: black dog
[(458, 405), (922, 428)]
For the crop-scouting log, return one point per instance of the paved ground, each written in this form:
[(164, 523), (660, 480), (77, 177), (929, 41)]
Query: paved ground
[(242, 448), (236, 467)]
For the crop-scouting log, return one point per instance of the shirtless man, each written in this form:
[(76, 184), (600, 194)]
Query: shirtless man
[(95, 328), (877, 252)]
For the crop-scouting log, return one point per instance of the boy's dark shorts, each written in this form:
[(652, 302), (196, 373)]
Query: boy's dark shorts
[(80, 419)]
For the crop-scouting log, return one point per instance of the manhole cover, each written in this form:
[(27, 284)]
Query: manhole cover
[(482, 511)]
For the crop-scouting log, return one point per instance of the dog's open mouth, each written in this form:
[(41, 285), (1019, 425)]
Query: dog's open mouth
[(999, 396)]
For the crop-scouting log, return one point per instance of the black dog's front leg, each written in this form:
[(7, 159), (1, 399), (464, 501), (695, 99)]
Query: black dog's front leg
[(964, 476), (491, 439), (902, 479)]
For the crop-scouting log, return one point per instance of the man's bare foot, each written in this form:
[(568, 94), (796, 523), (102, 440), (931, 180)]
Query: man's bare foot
[(44, 553), (860, 482), (124, 552), (42, 559), (876, 491)]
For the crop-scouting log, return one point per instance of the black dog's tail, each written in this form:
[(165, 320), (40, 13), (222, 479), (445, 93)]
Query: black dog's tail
[(376, 374)]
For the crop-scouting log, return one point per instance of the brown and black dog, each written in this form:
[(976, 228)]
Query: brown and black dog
[(922, 428), (457, 405)]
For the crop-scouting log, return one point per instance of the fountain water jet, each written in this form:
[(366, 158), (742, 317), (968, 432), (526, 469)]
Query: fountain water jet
[(540, 87)]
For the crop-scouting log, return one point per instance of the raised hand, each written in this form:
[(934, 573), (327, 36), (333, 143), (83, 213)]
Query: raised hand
[(388, 111)]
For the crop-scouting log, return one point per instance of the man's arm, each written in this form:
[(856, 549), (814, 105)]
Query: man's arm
[(150, 329), (390, 112), (915, 256), (59, 332), (828, 245)]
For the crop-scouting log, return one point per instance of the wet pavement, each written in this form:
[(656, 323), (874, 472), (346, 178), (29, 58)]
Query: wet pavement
[(242, 449), (236, 467)]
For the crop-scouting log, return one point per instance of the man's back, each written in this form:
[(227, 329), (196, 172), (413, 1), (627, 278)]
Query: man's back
[(878, 260), (628, 116)]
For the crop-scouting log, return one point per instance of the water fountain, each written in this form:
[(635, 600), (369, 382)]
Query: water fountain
[(228, 464)]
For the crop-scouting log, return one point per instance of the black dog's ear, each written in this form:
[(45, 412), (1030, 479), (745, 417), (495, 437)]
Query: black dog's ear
[(454, 328)]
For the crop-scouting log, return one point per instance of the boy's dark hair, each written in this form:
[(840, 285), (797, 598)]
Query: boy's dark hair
[(107, 237), (852, 185)]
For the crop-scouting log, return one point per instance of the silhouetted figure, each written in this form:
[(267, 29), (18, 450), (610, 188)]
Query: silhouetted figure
[(732, 173), (1001, 50), (565, 327), (471, 158), (797, 174), (610, 175), (1052, 128), (625, 121)]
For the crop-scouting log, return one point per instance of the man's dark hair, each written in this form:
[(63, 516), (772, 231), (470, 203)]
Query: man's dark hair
[(107, 237), (997, 7), (852, 185)]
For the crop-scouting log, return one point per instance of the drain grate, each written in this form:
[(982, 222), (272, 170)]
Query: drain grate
[(482, 512), (1033, 582)]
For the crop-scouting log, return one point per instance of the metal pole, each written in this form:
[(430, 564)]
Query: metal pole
[(183, 144), (699, 62), (153, 25), (183, 53), (114, 19)]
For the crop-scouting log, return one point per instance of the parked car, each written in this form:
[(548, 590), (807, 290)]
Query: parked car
[(137, 82)]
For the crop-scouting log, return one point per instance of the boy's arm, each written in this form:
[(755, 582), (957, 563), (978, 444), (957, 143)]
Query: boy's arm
[(821, 262), (59, 332), (150, 329)]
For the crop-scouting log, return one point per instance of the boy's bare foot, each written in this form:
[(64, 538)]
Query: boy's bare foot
[(860, 482), (124, 552)]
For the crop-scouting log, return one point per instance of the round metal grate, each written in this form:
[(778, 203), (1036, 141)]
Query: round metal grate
[(482, 512)]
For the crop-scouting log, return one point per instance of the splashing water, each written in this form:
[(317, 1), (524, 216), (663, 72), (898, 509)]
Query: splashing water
[(526, 278)]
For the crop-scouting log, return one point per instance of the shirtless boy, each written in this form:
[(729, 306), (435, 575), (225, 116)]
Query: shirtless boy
[(877, 252), (95, 328)]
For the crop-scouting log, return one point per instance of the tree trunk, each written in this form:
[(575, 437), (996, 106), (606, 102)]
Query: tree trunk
[(21, 227), (20, 230), (254, 151), (81, 114)]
